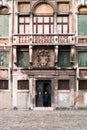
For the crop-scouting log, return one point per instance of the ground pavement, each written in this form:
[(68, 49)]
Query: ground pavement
[(43, 120)]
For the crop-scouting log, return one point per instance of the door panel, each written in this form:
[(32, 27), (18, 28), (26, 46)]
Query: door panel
[(43, 86), (39, 93)]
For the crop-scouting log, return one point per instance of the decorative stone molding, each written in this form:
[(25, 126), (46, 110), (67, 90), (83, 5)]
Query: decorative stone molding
[(82, 2), (43, 57), (3, 2)]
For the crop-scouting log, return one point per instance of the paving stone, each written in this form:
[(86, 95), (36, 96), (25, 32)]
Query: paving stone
[(43, 120)]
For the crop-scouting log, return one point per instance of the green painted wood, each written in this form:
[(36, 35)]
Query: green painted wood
[(82, 25), (4, 59), (82, 59), (23, 59), (4, 25), (64, 59)]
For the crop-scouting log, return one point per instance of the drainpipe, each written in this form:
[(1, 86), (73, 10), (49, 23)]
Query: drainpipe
[(12, 19)]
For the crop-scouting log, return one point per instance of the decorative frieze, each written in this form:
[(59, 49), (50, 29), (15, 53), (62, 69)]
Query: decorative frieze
[(83, 2), (4, 41), (82, 40), (24, 7)]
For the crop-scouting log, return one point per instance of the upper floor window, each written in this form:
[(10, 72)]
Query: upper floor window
[(64, 57), (82, 21), (4, 58), (4, 21), (63, 24), (43, 19), (23, 18), (43, 24), (23, 57), (23, 24)]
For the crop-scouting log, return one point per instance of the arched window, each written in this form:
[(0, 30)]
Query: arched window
[(43, 19)]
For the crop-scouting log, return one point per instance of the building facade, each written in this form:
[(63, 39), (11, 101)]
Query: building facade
[(43, 48)]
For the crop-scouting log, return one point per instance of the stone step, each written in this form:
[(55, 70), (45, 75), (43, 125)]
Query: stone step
[(44, 108)]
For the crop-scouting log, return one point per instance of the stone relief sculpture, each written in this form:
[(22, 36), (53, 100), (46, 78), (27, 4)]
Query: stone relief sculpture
[(43, 57)]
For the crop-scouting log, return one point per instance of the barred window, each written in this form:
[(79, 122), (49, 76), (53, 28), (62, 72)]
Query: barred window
[(23, 85), (4, 84)]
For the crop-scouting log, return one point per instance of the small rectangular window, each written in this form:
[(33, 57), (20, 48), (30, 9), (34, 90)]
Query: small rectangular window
[(4, 84), (83, 85), (23, 85), (63, 84)]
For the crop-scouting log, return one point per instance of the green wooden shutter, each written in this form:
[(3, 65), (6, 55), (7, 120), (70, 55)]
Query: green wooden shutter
[(4, 25), (64, 59), (82, 25), (82, 59), (4, 59), (23, 58)]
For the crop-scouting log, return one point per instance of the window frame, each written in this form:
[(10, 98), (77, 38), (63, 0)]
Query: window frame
[(81, 82), (63, 82), (63, 23), (63, 50), (7, 85), (78, 59), (21, 81), (1, 34), (22, 49), (23, 23), (43, 23), (5, 59)]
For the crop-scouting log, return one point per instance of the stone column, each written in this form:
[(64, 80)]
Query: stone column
[(55, 22), (14, 56), (31, 96), (14, 92), (30, 55), (56, 55), (73, 56), (31, 26)]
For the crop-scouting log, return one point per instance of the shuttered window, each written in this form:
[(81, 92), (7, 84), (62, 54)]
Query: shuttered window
[(4, 58), (64, 58), (4, 25), (82, 25), (23, 57), (82, 59)]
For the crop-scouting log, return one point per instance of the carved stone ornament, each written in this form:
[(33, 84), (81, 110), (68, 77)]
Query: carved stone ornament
[(83, 2), (43, 57)]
